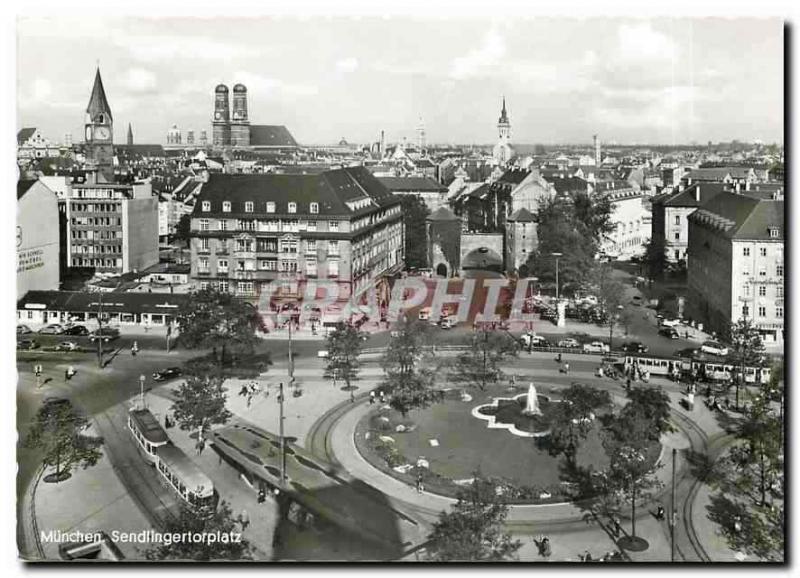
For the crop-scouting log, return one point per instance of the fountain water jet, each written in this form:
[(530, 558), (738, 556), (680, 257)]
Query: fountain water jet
[(532, 403)]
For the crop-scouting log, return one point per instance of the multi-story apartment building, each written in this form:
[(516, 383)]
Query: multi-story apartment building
[(671, 211), (250, 230), (112, 227), (736, 263), (630, 218)]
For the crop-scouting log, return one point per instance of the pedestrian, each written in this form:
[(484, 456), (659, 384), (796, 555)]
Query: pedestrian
[(201, 445), (660, 513), (262, 495), (587, 557), (134, 349), (566, 368), (382, 396), (628, 384), (419, 482), (371, 397), (545, 549), (737, 524), (617, 526), (244, 519)]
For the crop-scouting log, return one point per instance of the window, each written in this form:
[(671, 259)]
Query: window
[(206, 206), (746, 251), (222, 266), (312, 226), (762, 311), (333, 226), (333, 247), (747, 290), (762, 290), (677, 235), (204, 224), (204, 244), (223, 286), (311, 268), (677, 255), (270, 207), (779, 270), (774, 232), (288, 245), (202, 265), (313, 208), (311, 246), (763, 251), (762, 272), (248, 207), (204, 285), (226, 207), (333, 269), (745, 311), (245, 287), (677, 219), (223, 225), (779, 312), (292, 207), (779, 291)]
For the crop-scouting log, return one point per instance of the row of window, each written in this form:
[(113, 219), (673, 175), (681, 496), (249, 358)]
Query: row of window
[(292, 226), (249, 207), (97, 221), (96, 234), (285, 266), (762, 290), (95, 207), (761, 311), (763, 271), (108, 263), (96, 250), (762, 251), (270, 246)]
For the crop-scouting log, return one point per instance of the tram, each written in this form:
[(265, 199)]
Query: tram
[(703, 369), (147, 432)]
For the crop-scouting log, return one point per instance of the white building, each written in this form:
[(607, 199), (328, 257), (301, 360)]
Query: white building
[(631, 220), (37, 237)]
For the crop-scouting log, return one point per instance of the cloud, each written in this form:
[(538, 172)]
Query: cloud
[(160, 47), (641, 42), (349, 64), (259, 85), (140, 80), (482, 59)]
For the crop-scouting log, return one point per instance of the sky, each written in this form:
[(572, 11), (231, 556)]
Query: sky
[(658, 81)]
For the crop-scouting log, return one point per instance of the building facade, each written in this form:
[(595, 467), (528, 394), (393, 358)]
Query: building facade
[(231, 125), (252, 230), (736, 264), (38, 246), (630, 218), (31, 144)]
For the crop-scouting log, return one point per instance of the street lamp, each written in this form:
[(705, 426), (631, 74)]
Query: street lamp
[(141, 390), (557, 255)]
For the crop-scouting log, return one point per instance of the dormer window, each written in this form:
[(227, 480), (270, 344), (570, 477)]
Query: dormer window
[(226, 207), (101, 118), (270, 207), (292, 207), (206, 206), (314, 208), (248, 207), (774, 232)]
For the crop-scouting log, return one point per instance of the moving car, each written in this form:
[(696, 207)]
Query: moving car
[(634, 347), (668, 332), (533, 340), (76, 330), (27, 344), (106, 333), (169, 373), (596, 347), (670, 322), (68, 346), (714, 348), (568, 342), (23, 330), (52, 329)]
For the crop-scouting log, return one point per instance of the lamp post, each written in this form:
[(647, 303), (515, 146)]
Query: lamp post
[(557, 255), (673, 513), (141, 390)]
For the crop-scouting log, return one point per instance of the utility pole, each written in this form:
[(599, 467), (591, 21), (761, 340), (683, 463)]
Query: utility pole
[(673, 514), (557, 255), (100, 330), (283, 441)]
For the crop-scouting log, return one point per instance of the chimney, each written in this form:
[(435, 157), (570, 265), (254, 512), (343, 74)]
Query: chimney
[(697, 193)]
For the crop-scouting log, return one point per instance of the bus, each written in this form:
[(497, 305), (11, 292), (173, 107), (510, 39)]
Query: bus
[(147, 432)]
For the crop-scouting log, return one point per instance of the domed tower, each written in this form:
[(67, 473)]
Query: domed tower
[(222, 117), (240, 127)]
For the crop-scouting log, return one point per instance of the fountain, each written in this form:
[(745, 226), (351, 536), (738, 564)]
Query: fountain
[(532, 403)]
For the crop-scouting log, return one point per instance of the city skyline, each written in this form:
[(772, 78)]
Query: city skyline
[(380, 75)]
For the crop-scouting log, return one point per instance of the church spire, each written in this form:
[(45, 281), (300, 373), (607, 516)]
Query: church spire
[(98, 102), (130, 134), (503, 114)]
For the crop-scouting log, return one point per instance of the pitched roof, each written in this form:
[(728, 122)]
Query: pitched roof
[(331, 190), (23, 186), (411, 184), (569, 184), (112, 302), (741, 216), (522, 215), (25, 134), (514, 176), (688, 197), (262, 135), (98, 102)]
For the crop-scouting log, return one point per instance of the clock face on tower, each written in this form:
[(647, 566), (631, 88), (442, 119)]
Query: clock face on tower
[(218, 115), (101, 133)]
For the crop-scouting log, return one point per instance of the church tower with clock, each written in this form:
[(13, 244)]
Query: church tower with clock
[(100, 133), (222, 117)]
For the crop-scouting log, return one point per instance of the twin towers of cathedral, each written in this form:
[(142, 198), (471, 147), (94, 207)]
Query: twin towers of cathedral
[(231, 129)]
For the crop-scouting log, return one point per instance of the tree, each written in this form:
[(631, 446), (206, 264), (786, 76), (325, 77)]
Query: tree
[(632, 474), (593, 215), (412, 391), (655, 258), (183, 230), (573, 418), (479, 366), (344, 346), (610, 296), (472, 530), (415, 212), (210, 318), (57, 430), (747, 349), (200, 403), (653, 403), (229, 545)]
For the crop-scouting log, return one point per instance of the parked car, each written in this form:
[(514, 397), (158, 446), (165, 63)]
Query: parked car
[(68, 346), (596, 347), (27, 344), (568, 342), (637, 300), (23, 330), (533, 340), (77, 330), (169, 373), (714, 348), (447, 322), (687, 352), (634, 347), (670, 322), (424, 313), (52, 329), (669, 332), (106, 334)]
